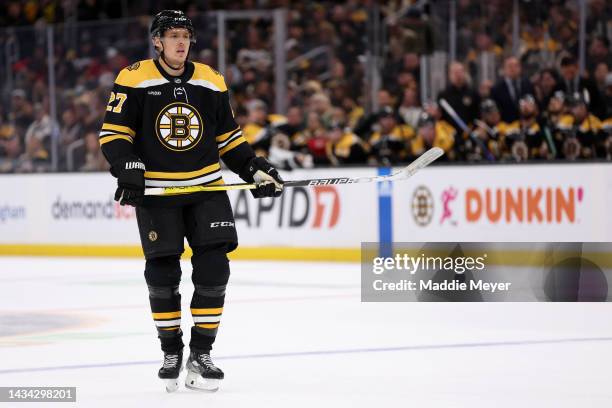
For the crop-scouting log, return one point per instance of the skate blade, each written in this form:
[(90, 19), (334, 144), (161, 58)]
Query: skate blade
[(195, 381)]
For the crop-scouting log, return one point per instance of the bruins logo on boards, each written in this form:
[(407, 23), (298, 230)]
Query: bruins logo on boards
[(179, 126)]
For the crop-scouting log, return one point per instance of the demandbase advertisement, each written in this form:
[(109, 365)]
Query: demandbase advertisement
[(78, 209)]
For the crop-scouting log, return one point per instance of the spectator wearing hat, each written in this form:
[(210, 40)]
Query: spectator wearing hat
[(509, 89), (389, 144), (571, 83)]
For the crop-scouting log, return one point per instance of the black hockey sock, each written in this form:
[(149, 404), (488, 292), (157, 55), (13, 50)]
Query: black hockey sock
[(166, 310), (206, 312)]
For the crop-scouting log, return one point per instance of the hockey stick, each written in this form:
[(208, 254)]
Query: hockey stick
[(453, 114), (424, 160)]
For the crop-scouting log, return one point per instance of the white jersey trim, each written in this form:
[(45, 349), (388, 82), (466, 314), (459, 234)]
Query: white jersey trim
[(231, 139), (193, 182), (152, 82), (204, 83)]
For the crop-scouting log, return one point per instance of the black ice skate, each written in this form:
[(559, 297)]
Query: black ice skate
[(202, 374), (169, 373)]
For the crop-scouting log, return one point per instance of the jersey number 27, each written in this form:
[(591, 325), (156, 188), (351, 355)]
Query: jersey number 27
[(116, 97)]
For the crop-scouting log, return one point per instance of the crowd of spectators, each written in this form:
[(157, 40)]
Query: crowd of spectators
[(537, 107)]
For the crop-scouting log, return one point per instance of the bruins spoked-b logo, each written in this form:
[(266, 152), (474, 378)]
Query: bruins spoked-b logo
[(179, 126), (422, 206)]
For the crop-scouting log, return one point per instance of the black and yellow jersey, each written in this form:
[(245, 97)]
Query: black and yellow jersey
[(530, 133), (259, 136), (392, 146), (590, 124), (589, 133), (178, 126), (350, 149), (444, 138)]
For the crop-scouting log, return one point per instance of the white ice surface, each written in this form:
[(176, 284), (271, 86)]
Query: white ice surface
[(297, 335)]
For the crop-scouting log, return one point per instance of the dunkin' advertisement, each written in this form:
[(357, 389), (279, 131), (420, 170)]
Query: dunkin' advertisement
[(505, 203)]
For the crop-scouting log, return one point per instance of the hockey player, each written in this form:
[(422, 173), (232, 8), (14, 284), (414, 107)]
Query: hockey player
[(524, 137), (490, 130), (168, 122), (390, 144), (581, 130), (430, 133)]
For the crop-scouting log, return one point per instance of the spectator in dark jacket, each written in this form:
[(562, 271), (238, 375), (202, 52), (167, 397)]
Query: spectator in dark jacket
[(509, 89), (460, 96), (571, 83)]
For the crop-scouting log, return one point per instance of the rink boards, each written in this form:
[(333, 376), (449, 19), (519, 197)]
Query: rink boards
[(74, 214)]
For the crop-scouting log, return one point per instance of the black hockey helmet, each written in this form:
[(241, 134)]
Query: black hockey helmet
[(488, 106), (167, 19), (575, 99), (425, 119)]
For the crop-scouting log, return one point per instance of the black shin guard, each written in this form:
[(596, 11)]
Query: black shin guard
[(210, 277), (163, 276)]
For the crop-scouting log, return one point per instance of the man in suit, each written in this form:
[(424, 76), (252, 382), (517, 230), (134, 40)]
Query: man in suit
[(509, 89), (571, 83)]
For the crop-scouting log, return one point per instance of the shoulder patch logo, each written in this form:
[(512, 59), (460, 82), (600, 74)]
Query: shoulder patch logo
[(134, 66), (179, 126)]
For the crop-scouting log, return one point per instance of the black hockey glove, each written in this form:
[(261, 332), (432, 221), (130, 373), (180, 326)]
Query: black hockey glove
[(260, 171), (129, 171)]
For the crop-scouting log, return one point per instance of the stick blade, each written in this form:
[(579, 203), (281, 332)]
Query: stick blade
[(424, 160)]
